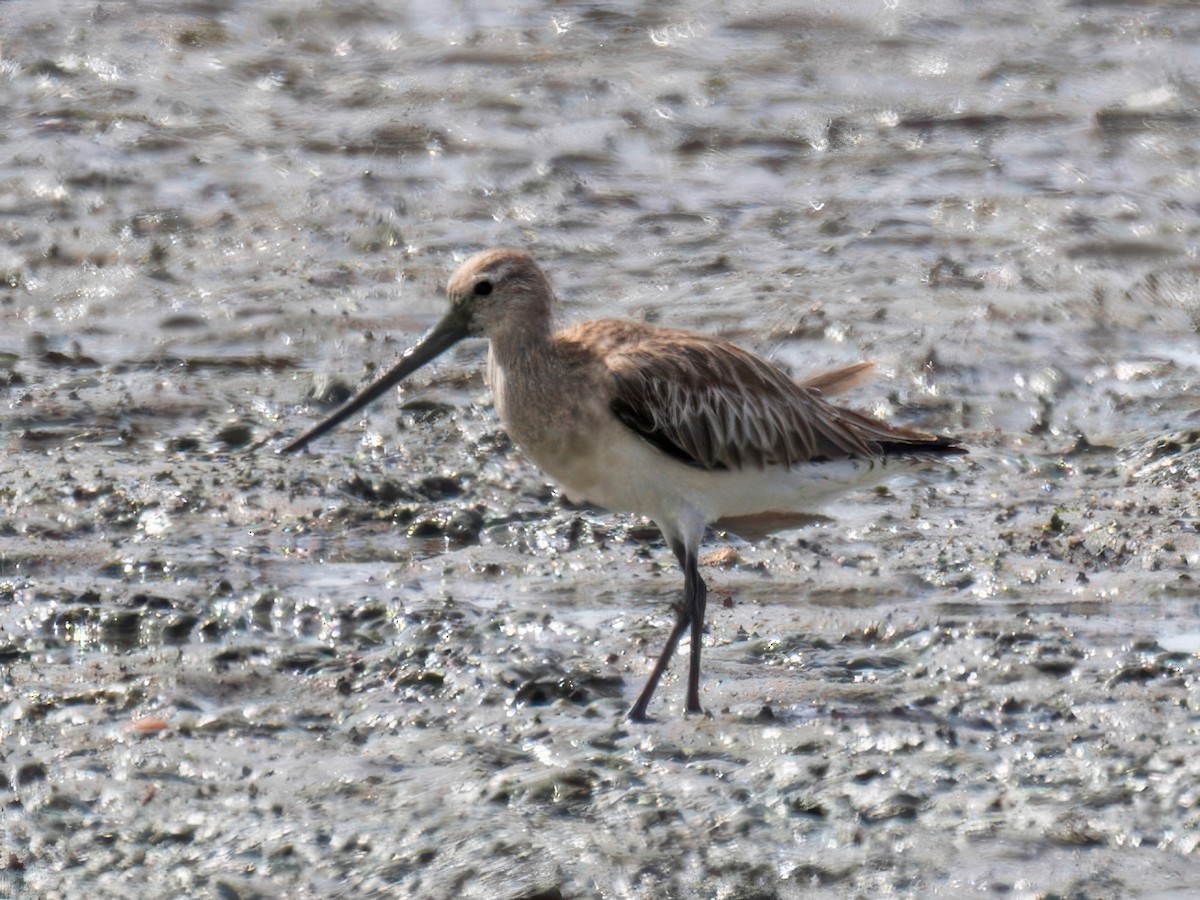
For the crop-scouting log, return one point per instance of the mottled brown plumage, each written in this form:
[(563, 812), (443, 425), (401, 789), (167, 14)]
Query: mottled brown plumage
[(712, 404)]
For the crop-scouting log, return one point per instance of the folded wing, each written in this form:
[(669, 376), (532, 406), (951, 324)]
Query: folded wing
[(709, 403)]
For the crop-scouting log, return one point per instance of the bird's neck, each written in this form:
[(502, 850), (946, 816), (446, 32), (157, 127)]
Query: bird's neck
[(524, 349), (524, 374)]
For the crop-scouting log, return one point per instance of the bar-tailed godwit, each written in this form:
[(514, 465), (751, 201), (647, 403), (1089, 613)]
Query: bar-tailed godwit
[(687, 429)]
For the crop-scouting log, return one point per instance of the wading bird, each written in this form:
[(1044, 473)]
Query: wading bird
[(687, 429)]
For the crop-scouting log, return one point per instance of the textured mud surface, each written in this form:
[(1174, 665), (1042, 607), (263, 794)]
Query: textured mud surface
[(397, 665)]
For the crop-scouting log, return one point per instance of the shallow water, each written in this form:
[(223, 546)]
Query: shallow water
[(397, 665)]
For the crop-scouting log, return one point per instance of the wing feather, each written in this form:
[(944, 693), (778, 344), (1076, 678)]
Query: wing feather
[(712, 404)]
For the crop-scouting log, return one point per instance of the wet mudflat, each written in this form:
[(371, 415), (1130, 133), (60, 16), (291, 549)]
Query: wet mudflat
[(397, 665)]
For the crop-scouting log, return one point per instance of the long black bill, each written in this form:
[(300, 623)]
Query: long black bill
[(441, 338)]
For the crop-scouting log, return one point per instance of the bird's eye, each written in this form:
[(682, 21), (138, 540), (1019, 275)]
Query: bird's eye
[(483, 288)]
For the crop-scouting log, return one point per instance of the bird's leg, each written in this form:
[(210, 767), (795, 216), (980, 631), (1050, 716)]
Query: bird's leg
[(690, 612), (695, 598), (638, 712)]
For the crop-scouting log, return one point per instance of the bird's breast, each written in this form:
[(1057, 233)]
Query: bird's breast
[(554, 418)]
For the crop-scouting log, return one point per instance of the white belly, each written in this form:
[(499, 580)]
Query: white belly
[(621, 472)]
